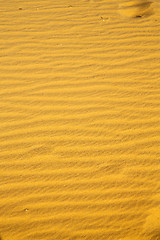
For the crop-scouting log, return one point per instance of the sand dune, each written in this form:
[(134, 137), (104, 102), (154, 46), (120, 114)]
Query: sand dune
[(80, 120)]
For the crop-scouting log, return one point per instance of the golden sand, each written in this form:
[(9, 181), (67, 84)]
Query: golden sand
[(79, 120)]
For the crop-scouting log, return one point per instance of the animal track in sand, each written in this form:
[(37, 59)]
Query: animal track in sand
[(135, 8)]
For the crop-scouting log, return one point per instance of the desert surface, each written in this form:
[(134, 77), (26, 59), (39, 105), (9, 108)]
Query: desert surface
[(79, 120)]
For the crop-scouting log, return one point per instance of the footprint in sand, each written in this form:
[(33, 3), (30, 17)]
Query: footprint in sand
[(152, 225), (135, 9)]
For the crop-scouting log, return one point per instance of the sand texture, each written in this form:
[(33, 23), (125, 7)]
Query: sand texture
[(79, 120)]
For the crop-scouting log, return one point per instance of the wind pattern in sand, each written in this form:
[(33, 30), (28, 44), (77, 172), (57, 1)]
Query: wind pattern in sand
[(79, 120)]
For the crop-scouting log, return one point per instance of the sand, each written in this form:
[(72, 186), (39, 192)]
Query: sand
[(79, 120)]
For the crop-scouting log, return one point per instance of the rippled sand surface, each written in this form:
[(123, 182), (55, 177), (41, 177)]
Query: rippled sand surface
[(80, 120)]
